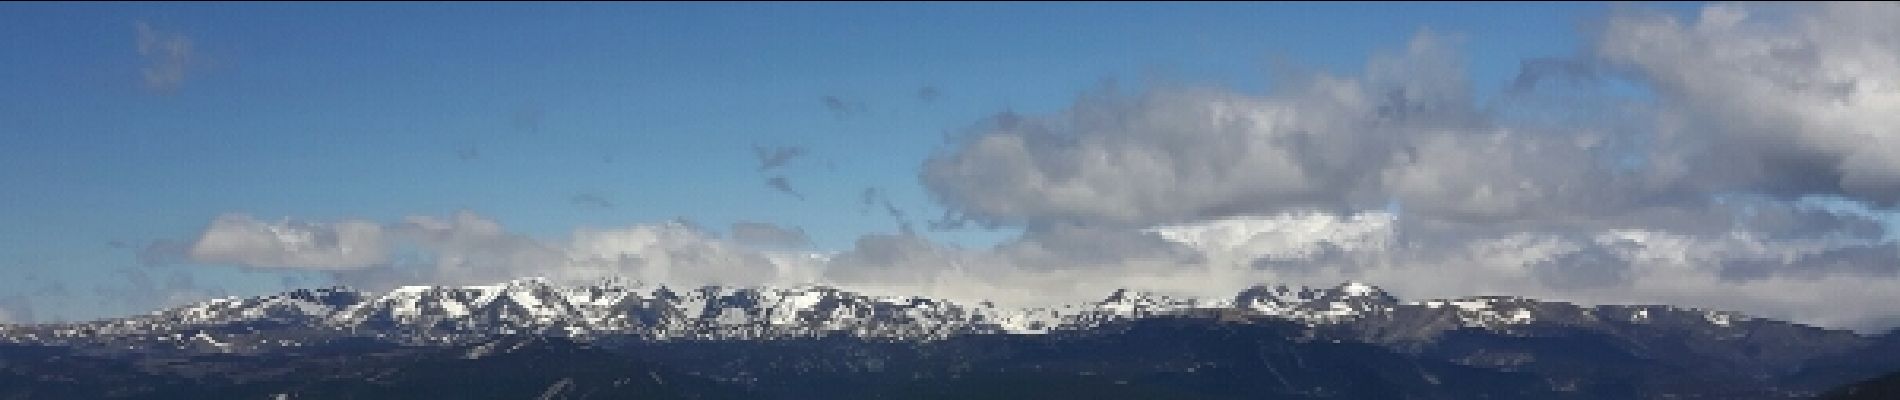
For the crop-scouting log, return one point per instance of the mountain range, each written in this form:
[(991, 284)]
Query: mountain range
[(532, 338)]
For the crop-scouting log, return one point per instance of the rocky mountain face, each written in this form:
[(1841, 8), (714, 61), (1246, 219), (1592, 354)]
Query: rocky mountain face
[(1349, 341)]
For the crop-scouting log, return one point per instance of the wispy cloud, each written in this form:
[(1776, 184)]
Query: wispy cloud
[(779, 183), (591, 200), (527, 118), (873, 197), (468, 153), (841, 108), (168, 57), (760, 234), (774, 157)]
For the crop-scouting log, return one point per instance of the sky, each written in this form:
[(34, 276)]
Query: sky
[(1740, 157)]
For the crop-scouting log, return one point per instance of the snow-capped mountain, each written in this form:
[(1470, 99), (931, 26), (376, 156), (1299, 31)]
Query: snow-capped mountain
[(619, 308), (1312, 342)]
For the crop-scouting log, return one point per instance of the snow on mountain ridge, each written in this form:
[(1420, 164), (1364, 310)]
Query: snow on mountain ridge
[(617, 307)]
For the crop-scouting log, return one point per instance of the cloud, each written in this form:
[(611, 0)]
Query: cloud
[(528, 118), (840, 108), (593, 200), (1072, 263), (168, 57), (1698, 197), (874, 197), (238, 239), (774, 157), (676, 253), (1616, 200), (16, 309), (468, 153), (928, 94), (760, 234), (163, 252), (1748, 111), (779, 183), (1806, 102), (1175, 154), (139, 289), (465, 249), (1536, 70)]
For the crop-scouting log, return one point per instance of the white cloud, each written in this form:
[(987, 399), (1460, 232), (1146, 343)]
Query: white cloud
[(241, 240), (466, 248)]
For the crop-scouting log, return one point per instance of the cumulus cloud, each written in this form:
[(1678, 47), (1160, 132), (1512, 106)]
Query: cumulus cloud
[(1634, 203), (1796, 103), (238, 239), (1182, 154), (168, 57), (1407, 131)]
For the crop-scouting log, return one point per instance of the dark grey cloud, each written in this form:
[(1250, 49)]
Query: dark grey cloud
[(767, 235), (1877, 261), (1594, 265), (1070, 246), (889, 258), (1793, 104)]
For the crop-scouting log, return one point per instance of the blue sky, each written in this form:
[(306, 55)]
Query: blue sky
[(379, 111)]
